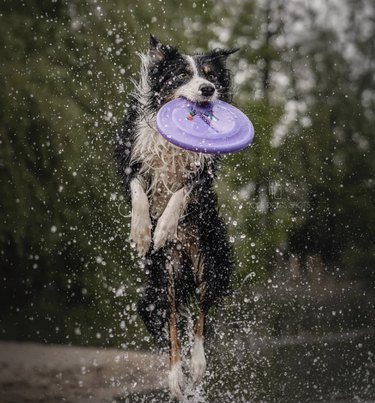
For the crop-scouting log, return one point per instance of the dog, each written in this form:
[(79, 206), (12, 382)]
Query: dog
[(175, 228)]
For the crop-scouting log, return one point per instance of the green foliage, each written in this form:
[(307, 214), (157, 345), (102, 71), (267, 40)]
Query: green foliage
[(253, 218), (63, 239), (337, 163), (66, 69), (306, 194)]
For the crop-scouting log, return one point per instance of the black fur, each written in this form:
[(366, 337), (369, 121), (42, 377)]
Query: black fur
[(168, 71)]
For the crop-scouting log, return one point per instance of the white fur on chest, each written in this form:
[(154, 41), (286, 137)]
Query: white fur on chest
[(164, 167)]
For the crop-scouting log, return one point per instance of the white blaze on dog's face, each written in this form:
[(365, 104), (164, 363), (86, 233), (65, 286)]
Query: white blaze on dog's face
[(198, 88), (199, 78)]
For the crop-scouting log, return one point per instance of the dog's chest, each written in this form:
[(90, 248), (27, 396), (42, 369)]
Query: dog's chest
[(165, 167)]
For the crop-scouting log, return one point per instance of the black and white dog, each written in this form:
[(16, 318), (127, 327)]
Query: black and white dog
[(175, 225)]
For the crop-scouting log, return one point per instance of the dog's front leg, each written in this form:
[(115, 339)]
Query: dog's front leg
[(166, 228), (140, 230)]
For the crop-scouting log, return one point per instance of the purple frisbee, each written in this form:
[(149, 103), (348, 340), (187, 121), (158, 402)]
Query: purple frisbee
[(212, 128)]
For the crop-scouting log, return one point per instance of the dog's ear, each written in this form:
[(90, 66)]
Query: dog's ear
[(153, 42), (159, 52), (222, 54)]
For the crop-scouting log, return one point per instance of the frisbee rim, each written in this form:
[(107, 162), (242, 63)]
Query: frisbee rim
[(207, 145)]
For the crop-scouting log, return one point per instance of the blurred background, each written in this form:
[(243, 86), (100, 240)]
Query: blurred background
[(298, 202)]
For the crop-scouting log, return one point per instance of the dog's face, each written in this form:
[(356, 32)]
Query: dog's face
[(199, 78)]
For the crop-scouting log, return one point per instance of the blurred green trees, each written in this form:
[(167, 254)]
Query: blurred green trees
[(304, 188), (310, 171), (63, 240)]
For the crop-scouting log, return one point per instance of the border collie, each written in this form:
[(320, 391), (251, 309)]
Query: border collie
[(175, 225)]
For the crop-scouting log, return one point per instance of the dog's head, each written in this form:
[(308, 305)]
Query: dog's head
[(199, 78)]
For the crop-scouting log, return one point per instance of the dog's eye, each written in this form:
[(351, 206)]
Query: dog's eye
[(182, 75), (211, 76)]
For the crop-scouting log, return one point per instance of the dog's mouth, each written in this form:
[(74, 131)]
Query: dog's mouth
[(201, 100), (204, 103)]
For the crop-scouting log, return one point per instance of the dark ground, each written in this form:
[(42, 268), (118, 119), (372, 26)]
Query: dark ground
[(49, 373)]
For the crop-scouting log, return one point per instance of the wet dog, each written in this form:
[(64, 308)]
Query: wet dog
[(175, 225)]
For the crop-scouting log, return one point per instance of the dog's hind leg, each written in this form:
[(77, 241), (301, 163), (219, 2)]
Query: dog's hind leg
[(176, 376), (198, 359), (212, 275)]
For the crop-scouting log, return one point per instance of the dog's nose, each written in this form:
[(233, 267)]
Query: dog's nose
[(206, 90)]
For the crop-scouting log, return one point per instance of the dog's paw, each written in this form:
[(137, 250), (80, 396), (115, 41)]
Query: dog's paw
[(176, 381), (166, 230), (140, 232), (198, 360)]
